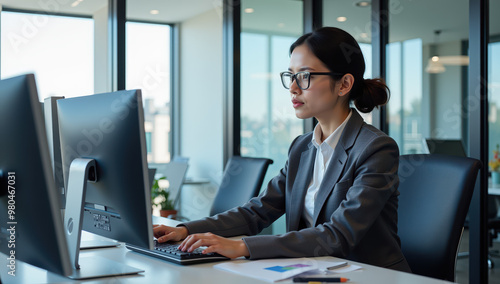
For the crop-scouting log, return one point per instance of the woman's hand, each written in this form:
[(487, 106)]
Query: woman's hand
[(165, 233), (214, 243)]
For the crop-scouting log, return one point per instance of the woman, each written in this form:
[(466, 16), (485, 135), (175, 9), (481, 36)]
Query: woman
[(339, 185)]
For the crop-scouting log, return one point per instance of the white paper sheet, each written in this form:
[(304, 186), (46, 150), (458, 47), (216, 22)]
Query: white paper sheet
[(272, 270)]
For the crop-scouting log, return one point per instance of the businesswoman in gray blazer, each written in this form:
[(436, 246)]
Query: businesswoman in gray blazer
[(339, 185)]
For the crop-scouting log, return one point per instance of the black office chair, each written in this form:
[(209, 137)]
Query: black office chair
[(493, 227), (242, 180), (436, 191)]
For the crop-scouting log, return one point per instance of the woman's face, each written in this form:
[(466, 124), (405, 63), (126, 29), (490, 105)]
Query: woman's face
[(320, 100)]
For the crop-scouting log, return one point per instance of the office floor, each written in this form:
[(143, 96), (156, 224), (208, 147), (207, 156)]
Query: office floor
[(462, 268)]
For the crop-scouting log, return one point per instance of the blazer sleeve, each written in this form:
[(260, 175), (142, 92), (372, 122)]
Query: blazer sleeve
[(250, 218), (374, 181)]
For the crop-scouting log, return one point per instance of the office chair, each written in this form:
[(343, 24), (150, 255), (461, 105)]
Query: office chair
[(493, 227), (242, 180), (436, 191)]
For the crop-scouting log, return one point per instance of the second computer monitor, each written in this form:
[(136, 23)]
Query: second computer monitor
[(452, 147), (31, 228), (109, 128)]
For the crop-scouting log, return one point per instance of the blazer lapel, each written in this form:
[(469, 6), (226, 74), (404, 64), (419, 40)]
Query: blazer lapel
[(338, 161), (300, 186), (332, 175)]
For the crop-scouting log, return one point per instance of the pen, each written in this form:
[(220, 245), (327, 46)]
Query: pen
[(320, 279), (314, 282), (342, 264)]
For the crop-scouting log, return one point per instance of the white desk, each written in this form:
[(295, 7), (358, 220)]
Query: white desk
[(157, 271)]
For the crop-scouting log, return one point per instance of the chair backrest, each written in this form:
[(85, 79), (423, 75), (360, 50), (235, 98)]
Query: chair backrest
[(175, 172), (436, 191), (241, 181)]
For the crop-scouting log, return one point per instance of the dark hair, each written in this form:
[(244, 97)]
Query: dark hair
[(340, 52)]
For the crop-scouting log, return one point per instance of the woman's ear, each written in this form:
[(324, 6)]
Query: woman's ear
[(346, 83)]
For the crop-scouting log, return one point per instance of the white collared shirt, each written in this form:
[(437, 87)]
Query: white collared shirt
[(324, 153)]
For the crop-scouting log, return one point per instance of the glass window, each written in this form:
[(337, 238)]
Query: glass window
[(494, 96), (404, 76), (148, 142), (268, 121), (148, 68), (427, 71), (356, 20), (494, 80), (59, 50)]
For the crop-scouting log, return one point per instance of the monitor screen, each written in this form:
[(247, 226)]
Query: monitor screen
[(109, 128), (28, 202), (446, 147)]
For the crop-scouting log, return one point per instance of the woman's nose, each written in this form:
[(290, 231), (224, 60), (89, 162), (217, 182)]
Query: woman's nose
[(294, 87)]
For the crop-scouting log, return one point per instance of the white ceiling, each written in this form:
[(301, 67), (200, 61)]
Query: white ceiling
[(86, 7), (171, 11), (408, 18), (275, 16)]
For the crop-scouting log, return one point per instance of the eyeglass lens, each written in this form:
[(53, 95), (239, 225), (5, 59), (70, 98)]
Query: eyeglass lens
[(302, 78)]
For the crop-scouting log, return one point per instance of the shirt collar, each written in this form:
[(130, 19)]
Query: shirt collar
[(333, 139)]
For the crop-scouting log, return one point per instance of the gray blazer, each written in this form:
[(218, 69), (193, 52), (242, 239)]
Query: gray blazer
[(355, 215)]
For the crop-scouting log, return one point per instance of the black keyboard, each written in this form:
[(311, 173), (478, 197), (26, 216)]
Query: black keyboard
[(170, 252)]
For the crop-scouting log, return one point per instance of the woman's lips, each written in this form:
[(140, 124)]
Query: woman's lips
[(297, 103)]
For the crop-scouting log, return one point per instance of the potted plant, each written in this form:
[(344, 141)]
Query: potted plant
[(160, 197), (495, 167)]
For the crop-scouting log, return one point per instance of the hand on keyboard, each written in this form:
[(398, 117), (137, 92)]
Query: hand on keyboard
[(165, 233), (172, 249), (214, 243)]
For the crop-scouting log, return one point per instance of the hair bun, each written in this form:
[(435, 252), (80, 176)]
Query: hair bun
[(373, 93)]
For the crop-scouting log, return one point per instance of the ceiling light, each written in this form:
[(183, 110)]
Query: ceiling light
[(74, 4), (249, 10), (341, 19), (434, 67), (154, 12), (363, 35), (363, 4)]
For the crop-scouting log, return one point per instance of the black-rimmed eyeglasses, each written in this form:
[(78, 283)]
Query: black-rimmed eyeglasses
[(303, 78)]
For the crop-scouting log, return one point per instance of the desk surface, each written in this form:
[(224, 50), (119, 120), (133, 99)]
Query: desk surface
[(494, 189), (157, 271)]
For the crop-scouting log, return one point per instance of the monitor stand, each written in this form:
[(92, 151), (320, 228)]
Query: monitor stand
[(93, 241), (83, 171), (97, 244)]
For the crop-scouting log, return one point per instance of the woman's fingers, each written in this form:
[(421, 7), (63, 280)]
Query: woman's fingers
[(165, 233), (189, 243), (214, 243)]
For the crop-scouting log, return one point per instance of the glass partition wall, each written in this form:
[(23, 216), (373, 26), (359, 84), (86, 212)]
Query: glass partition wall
[(148, 68), (355, 18), (427, 69), (148, 60), (268, 122), (494, 84)]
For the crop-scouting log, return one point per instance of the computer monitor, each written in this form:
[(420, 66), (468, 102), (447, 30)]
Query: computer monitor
[(452, 147), (105, 169), (31, 228), (52, 130)]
